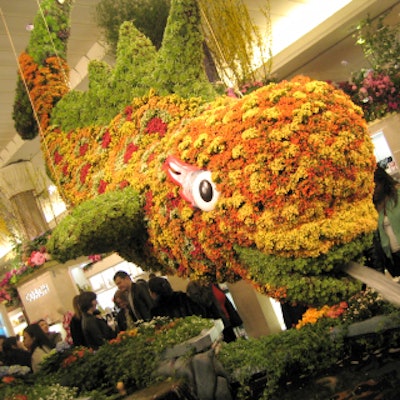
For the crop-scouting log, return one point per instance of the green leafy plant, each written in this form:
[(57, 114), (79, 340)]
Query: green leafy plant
[(132, 358), (179, 65), (85, 231), (380, 42), (110, 89)]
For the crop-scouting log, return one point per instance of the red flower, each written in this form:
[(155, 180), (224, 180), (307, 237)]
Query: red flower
[(84, 172), (57, 157), (123, 184), (106, 140), (102, 186), (8, 379), (83, 149), (65, 169), (128, 113), (129, 151), (157, 125), (94, 257)]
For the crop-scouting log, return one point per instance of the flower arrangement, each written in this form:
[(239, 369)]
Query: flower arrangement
[(132, 358), (365, 304), (312, 315), (44, 70), (30, 256), (376, 92)]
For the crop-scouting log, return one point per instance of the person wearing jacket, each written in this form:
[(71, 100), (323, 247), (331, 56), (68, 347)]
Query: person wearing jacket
[(170, 303), (96, 331), (139, 299), (386, 201)]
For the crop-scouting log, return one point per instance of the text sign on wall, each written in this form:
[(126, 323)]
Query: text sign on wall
[(40, 298), (37, 292)]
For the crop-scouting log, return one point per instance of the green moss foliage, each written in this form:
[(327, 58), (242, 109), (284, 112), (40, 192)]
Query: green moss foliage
[(179, 65), (303, 278), (176, 68), (110, 222), (110, 89)]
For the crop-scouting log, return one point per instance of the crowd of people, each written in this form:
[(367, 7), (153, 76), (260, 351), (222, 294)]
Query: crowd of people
[(134, 301)]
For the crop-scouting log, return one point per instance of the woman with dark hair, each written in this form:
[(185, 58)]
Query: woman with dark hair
[(95, 331), (15, 353), (386, 201), (75, 326), (54, 337), (169, 303), (37, 343)]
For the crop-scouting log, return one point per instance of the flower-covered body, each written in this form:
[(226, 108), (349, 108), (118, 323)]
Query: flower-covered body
[(292, 163)]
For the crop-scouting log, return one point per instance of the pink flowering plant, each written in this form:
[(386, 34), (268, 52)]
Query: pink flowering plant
[(376, 92), (30, 256), (377, 89)]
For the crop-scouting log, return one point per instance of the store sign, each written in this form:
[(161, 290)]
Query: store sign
[(47, 295), (37, 293)]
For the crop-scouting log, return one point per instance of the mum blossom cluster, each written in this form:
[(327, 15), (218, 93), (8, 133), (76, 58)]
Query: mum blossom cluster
[(291, 166)]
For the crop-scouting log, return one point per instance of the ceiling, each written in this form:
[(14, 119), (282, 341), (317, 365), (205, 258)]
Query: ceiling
[(326, 51)]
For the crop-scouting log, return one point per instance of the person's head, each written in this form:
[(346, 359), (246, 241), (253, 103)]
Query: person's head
[(44, 325), (385, 186), (200, 293), (75, 305), (121, 299), (11, 343), (122, 280), (35, 337), (87, 301), (159, 287)]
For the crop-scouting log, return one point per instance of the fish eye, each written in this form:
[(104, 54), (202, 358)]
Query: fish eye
[(204, 192)]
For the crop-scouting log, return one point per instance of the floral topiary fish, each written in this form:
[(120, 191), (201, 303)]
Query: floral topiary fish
[(275, 188)]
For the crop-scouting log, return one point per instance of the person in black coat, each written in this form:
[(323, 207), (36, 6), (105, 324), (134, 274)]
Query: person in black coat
[(216, 305), (139, 299), (95, 331), (15, 353), (75, 326), (169, 303)]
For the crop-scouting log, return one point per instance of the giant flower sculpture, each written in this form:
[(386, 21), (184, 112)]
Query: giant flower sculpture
[(274, 188)]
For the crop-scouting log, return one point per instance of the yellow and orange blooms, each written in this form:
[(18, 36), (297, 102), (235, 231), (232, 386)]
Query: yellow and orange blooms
[(292, 164)]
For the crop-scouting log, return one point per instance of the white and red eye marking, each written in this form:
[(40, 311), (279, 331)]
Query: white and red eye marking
[(196, 184)]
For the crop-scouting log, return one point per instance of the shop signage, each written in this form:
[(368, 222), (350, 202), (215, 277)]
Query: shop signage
[(37, 292)]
